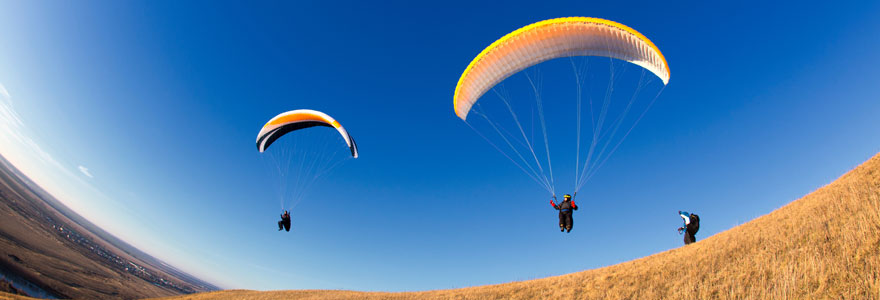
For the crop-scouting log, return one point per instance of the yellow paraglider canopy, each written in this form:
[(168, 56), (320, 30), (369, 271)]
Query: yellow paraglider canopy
[(549, 39)]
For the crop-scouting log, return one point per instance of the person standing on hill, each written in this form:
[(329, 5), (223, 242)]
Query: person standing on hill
[(285, 221), (565, 211), (690, 228)]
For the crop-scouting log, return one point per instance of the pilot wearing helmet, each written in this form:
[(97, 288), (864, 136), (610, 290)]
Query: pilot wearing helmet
[(565, 210)]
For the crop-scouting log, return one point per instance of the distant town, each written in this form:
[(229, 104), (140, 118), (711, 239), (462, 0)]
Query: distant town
[(115, 260)]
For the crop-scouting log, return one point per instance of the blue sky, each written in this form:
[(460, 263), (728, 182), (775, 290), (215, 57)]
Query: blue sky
[(142, 117)]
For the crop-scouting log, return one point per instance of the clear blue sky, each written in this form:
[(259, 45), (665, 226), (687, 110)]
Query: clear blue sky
[(143, 116)]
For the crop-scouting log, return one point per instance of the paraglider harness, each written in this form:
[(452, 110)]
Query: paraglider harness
[(285, 221), (695, 224), (570, 207)]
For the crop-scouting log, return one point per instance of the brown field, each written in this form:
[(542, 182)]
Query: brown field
[(822, 246), (34, 246)]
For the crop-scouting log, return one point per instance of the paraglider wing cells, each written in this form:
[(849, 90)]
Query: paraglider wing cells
[(549, 39), (296, 120)]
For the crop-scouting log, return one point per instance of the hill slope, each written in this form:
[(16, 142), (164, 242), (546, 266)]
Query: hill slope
[(824, 245)]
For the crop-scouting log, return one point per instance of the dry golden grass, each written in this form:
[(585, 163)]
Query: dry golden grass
[(8, 296), (822, 246)]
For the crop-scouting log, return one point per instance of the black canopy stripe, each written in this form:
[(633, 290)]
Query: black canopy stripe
[(277, 133)]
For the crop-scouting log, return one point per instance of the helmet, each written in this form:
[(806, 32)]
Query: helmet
[(567, 196)]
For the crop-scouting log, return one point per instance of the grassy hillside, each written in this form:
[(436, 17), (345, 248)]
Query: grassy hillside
[(824, 245)]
